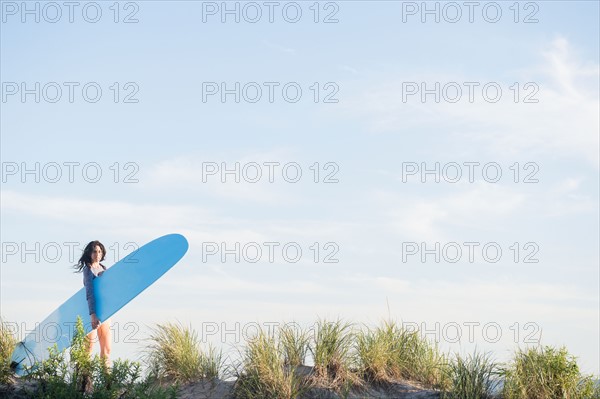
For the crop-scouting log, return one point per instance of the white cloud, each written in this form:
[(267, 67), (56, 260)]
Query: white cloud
[(479, 206), (229, 284), (210, 175), (565, 122), (279, 47), (505, 302), (348, 68), (434, 219), (142, 220), (574, 78), (489, 292), (115, 216)]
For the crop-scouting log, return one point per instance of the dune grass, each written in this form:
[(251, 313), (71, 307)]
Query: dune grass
[(294, 343), (264, 374), (422, 360), (546, 373), (472, 377), (7, 345), (174, 355), (273, 366), (334, 361), (378, 353), (391, 352)]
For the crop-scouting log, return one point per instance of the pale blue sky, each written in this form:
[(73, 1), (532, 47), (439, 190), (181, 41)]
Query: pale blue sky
[(369, 133)]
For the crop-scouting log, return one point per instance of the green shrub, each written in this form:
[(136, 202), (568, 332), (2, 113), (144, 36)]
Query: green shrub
[(78, 376)]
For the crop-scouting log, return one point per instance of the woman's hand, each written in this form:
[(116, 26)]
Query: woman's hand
[(95, 321)]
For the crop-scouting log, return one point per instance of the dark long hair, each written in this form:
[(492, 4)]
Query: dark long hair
[(86, 257)]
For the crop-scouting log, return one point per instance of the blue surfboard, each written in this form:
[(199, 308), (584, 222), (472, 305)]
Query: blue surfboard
[(117, 286)]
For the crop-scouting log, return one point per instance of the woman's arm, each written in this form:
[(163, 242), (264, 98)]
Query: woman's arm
[(88, 277)]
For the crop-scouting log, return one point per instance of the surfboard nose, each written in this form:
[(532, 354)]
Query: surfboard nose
[(178, 240)]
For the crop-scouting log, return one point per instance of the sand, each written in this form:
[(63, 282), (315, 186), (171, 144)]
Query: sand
[(220, 389)]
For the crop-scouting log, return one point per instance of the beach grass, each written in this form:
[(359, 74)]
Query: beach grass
[(273, 365), (472, 377), (264, 374), (294, 342), (412, 356), (7, 345), (378, 352), (332, 348), (546, 372), (174, 355)]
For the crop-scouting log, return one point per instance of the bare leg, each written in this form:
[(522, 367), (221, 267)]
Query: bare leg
[(104, 337), (91, 338)]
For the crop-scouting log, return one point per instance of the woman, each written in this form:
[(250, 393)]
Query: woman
[(90, 265)]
